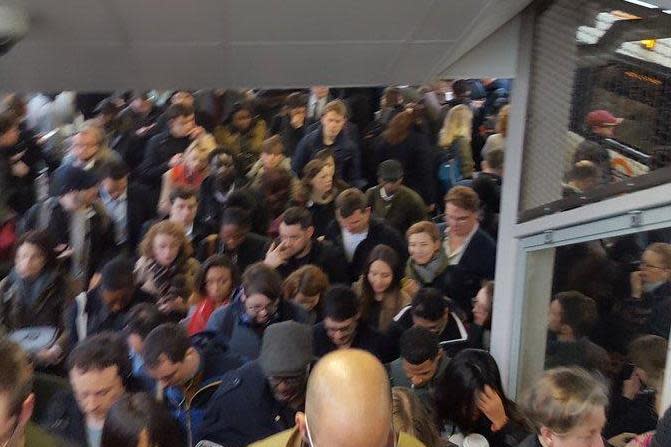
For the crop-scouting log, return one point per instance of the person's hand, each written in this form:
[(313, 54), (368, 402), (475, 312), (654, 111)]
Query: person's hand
[(49, 356), (142, 131), (410, 286), (275, 256), (17, 157), (20, 169), (95, 281), (63, 251), (621, 440), (175, 160), (631, 386), (491, 405), (172, 305), (297, 121), (636, 281)]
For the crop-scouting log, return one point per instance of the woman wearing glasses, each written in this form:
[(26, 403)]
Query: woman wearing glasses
[(243, 322)]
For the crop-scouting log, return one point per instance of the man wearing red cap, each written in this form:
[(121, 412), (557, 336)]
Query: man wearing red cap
[(601, 126)]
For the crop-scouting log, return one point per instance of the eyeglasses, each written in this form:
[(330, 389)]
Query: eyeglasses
[(392, 440), (257, 309), (645, 265)]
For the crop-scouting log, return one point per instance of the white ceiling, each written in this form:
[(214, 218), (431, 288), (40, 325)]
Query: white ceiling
[(119, 44)]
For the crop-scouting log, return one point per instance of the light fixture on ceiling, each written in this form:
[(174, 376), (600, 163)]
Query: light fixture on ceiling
[(641, 3)]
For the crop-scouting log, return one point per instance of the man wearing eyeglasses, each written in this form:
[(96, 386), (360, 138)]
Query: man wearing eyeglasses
[(262, 397), (348, 404), (649, 308)]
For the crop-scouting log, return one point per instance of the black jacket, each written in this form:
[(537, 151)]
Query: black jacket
[(453, 339), (243, 410), (325, 256), (252, 249), (65, 420), (379, 232), (477, 263), (345, 151), (211, 205), (137, 214), (160, 149), (366, 338), (98, 315), (651, 314), (290, 137), (417, 158), (488, 187)]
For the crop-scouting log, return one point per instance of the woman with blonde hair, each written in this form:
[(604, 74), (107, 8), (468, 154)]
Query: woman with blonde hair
[(455, 137), (411, 416), (166, 269), (567, 407), (188, 173), (498, 140)]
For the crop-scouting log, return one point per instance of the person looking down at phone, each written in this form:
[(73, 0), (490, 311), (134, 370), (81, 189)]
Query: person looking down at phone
[(296, 247), (243, 322), (636, 397), (166, 269)]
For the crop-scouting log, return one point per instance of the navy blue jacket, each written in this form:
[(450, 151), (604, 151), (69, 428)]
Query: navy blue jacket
[(231, 324), (216, 359), (243, 410), (476, 264), (345, 151)]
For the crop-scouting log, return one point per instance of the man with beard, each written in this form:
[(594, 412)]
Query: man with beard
[(262, 397)]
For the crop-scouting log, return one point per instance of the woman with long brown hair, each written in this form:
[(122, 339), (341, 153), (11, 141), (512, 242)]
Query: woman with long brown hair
[(317, 191)]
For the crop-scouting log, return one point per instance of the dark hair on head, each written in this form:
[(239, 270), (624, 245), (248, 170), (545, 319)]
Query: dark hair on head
[(340, 303), (117, 274), (101, 351), (16, 375), (168, 339), (296, 100), (44, 242), (115, 169), (399, 127), (7, 121), (183, 193), (349, 201), (222, 261), (419, 345), (264, 280), (178, 110), (494, 158), (463, 197), (429, 304), (219, 150), (457, 388), (234, 215), (389, 256), (134, 414), (578, 311), (275, 179), (461, 88), (297, 215), (142, 319)]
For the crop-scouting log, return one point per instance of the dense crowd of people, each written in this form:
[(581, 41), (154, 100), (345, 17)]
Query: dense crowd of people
[(228, 265)]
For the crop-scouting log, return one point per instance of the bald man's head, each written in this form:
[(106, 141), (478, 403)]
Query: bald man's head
[(348, 402)]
